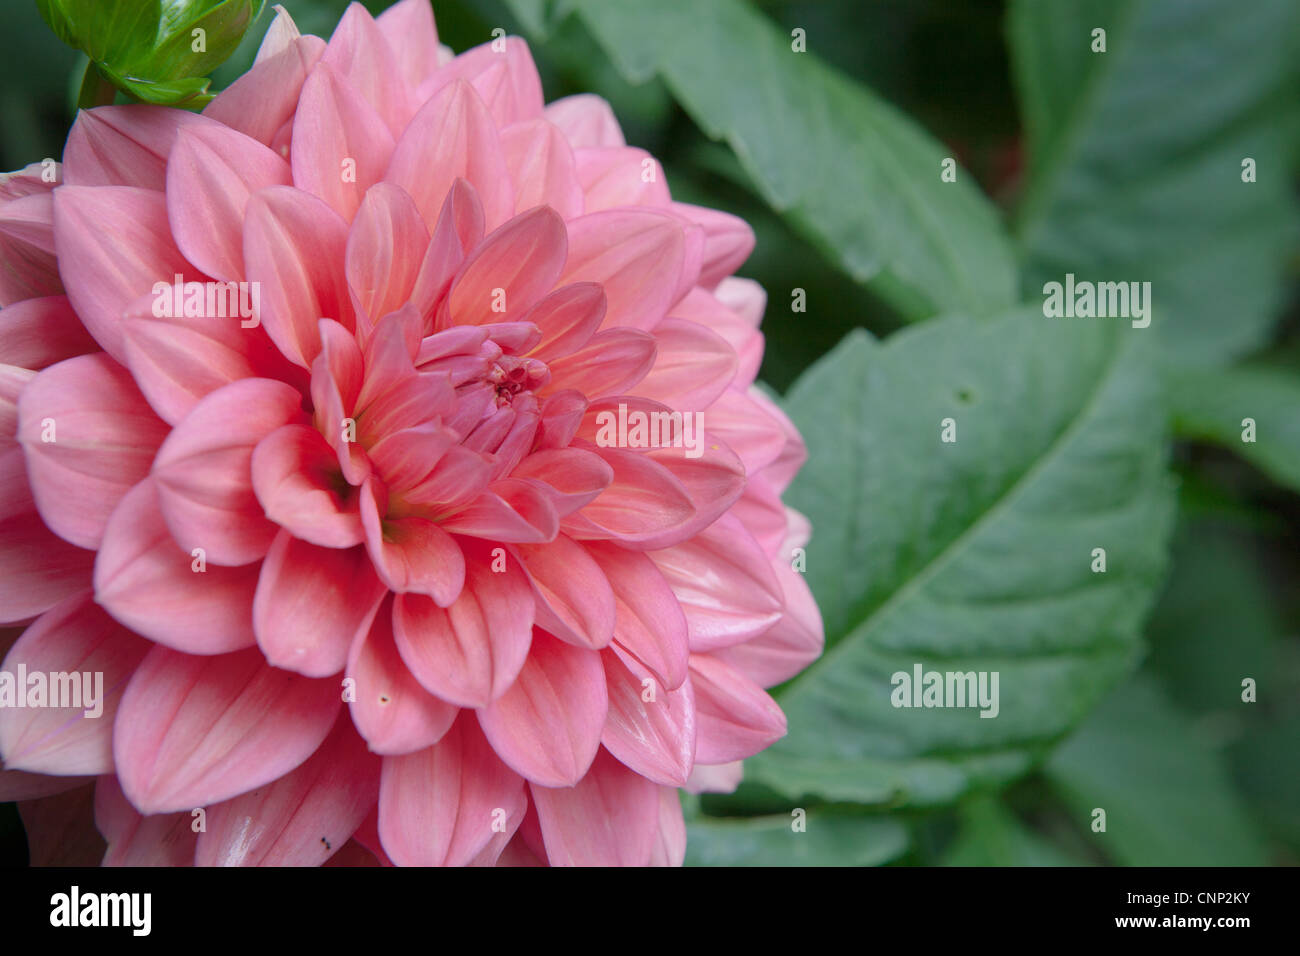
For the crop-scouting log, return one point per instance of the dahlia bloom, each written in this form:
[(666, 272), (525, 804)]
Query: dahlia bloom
[(359, 567)]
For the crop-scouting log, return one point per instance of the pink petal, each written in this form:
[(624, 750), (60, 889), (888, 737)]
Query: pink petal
[(125, 145), (411, 34), (312, 603), (586, 120), (37, 569), (38, 333), (470, 653), (458, 230), (133, 840), (670, 841), (747, 429), (296, 478), (724, 583), (192, 731), (114, 244), (728, 241), (385, 251), (734, 717), (574, 475), (542, 167), (610, 364), (18, 785), (693, 367), (610, 818), (515, 266), (506, 79), (412, 555), (294, 246), (567, 319), (575, 602), (302, 818), (642, 501), (717, 778), (636, 254), (513, 511), (453, 136), (547, 725), (211, 173), (390, 708), (177, 360), (787, 647), (654, 736), (77, 639), (104, 438), (263, 100), (449, 804), (649, 622), (614, 176), (148, 583), (204, 474), (360, 53), (340, 144)]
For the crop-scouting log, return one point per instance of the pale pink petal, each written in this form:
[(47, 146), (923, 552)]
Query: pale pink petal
[(360, 53), (650, 729), (547, 726), (728, 241), (411, 34), (724, 583), (174, 597), (166, 839), (192, 731), (611, 363), (262, 101), (670, 841), (89, 436), (586, 120), (512, 269), (471, 652), (38, 333), (312, 603), (114, 244), (502, 72), (610, 818), (575, 602), (204, 475), (297, 479), (542, 167), (788, 646), (716, 778), (614, 176), (693, 367), (734, 717), (303, 818), (211, 172), (37, 568), (340, 144), (453, 136), (450, 803), (389, 707), (649, 622), (412, 555), (125, 145), (294, 246), (636, 254), (95, 656), (385, 251)]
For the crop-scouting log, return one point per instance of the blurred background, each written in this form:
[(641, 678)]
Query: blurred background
[(1230, 604)]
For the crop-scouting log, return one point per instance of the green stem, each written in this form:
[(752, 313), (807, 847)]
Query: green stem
[(96, 89)]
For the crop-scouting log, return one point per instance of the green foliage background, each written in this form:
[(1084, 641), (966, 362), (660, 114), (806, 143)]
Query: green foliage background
[(1120, 691)]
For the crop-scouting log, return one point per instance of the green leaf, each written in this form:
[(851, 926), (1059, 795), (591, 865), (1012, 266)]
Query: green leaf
[(1136, 155), (1210, 405), (147, 48), (854, 175), (829, 839), (1165, 791), (969, 556), (992, 836)]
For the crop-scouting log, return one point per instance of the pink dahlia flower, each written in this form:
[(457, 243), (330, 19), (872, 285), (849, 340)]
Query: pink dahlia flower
[(359, 560)]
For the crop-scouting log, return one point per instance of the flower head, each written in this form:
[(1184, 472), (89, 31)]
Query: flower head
[(388, 440)]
